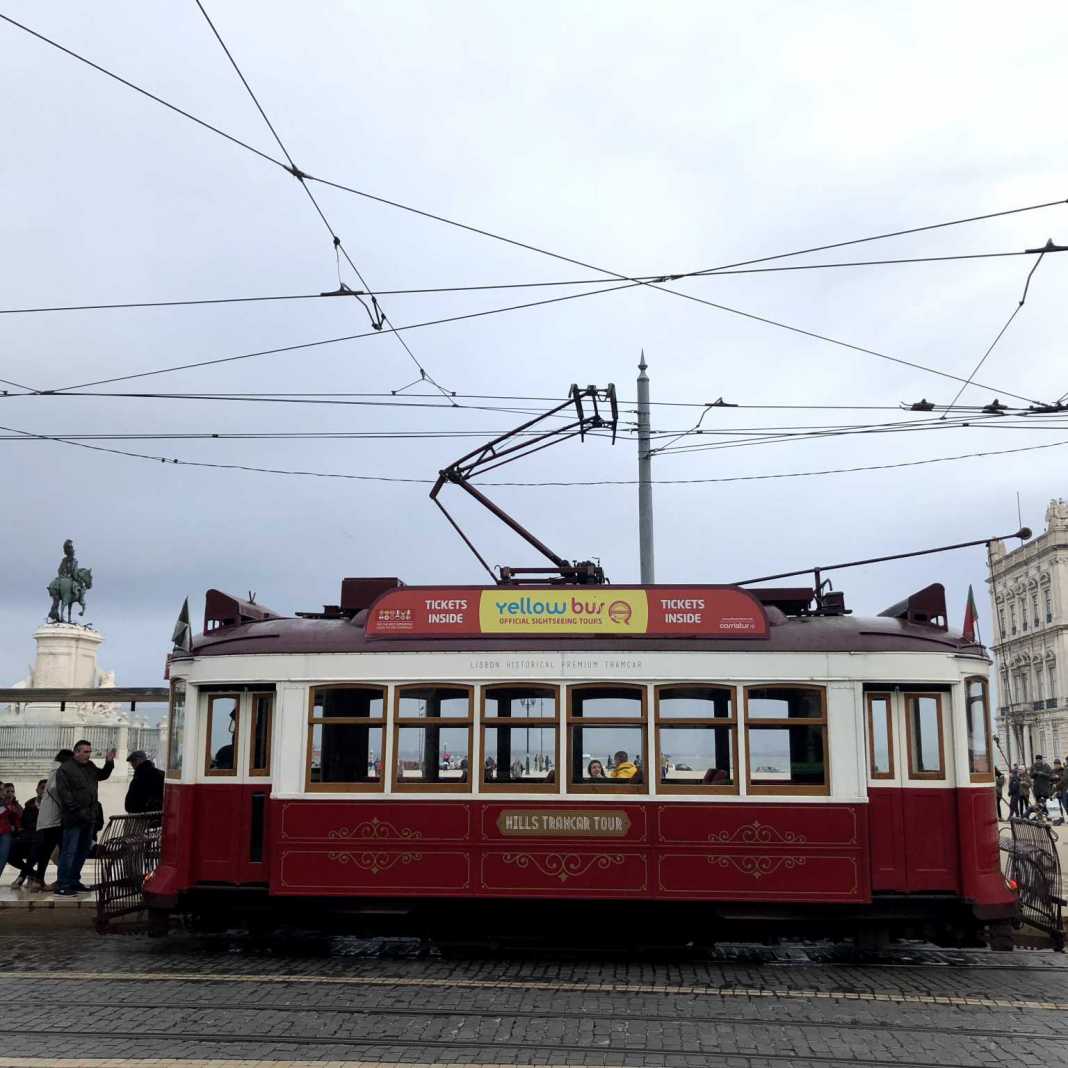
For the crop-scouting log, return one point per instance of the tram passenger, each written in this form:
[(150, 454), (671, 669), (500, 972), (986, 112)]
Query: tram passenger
[(623, 767), (224, 756), (145, 793), (595, 770)]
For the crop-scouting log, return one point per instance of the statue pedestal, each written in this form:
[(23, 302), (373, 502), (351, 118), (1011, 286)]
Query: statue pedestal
[(66, 656)]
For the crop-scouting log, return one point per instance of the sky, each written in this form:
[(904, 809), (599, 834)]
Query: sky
[(645, 141)]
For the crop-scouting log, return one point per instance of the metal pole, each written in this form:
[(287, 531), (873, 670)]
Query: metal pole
[(645, 479)]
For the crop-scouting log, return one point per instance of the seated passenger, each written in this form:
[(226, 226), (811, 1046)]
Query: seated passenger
[(715, 776), (595, 770), (624, 769)]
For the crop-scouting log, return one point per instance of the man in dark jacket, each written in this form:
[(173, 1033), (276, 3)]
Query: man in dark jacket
[(1041, 782), (146, 787), (76, 788)]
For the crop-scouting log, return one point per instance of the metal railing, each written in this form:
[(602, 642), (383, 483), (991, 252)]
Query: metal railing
[(1033, 866), (128, 851), (25, 744)]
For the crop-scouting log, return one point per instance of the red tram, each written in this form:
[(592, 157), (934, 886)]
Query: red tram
[(716, 759)]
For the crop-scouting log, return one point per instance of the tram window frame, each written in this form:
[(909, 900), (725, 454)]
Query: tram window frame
[(499, 722), (370, 722), (728, 723), (782, 723), (869, 700), (255, 713), (422, 723), (940, 774), (176, 710), (641, 722), (209, 719), (983, 699)]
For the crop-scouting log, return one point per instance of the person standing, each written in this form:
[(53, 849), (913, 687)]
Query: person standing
[(10, 822), (1041, 782), (145, 793), (999, 789), (76, 788), (1014, 792), (1058, 785), (49, 826)]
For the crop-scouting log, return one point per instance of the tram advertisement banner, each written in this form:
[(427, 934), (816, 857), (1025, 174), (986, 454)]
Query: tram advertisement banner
[(656, 611)]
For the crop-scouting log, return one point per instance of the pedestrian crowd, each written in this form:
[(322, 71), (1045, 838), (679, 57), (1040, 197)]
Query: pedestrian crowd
[(1042, 782), (63, 818)]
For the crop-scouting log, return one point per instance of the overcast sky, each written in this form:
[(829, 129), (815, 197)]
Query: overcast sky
[(642, 139)]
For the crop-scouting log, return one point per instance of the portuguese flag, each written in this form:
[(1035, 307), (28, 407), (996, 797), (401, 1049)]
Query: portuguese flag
[(971, 617)]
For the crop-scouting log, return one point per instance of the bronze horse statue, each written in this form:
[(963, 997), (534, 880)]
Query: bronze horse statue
[(67, 591)]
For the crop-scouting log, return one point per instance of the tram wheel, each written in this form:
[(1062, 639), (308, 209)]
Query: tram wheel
[(999, 937)]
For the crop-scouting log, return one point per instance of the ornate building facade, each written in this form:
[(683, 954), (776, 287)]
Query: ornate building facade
[(1029, 598)]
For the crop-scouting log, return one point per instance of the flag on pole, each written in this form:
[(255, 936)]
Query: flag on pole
[(183, 632), (971, 617)]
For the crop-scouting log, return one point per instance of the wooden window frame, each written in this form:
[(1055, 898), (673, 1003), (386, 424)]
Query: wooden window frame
[(781, 722), (172, 772), (361, 721), (727, 723), (253, 724), (979, 776), (933, 776), (396, 783), (869, 699), (642, 722), (485, 721), (235, 696)]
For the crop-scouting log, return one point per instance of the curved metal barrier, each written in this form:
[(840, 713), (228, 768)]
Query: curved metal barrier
[(1033, 865), (127, 851)]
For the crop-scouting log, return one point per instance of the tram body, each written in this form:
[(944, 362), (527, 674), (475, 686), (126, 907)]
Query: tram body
[(418, 752)]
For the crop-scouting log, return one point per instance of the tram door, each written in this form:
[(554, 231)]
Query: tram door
[(232, 796), (911, 800)]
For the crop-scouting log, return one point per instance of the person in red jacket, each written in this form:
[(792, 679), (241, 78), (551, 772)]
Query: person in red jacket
[(10, 822)]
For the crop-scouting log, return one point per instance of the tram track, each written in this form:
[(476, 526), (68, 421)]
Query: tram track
[(591, 1015), (484, 1047)]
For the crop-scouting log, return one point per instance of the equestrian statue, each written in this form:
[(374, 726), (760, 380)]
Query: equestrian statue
[(69, 586)]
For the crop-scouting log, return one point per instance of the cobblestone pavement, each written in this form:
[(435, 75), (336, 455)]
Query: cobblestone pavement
[(75, 1000)]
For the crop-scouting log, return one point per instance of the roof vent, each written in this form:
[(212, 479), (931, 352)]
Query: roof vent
[(222, 610), (926, 606)]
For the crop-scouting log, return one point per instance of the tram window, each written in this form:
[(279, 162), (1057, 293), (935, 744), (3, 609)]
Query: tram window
[(221, 735), (923, 720), (786, 739), (428, 754), (607, 754), (519, 737), (695, 739), (978, 715), (880, 737), (346, 731), (175, 730), (259, 762)]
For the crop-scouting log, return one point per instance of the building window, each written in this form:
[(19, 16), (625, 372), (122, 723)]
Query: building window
[(978, 720), (346, 729), (433, 738), (519, 737), (880, 736), (1049, 606), (606, 726), (259, 758), (1034, 607), (175, 730), (923, 722), (786, 739), (1001, 622), (1012, 615), (696, 739)]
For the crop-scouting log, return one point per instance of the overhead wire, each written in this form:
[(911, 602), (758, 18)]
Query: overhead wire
[(553, 484), (378, 316), (476, 288), (305, 177), (1000, 334)]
